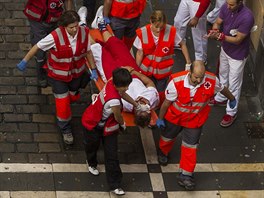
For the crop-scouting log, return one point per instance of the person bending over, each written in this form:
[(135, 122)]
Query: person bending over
[(103, 121)]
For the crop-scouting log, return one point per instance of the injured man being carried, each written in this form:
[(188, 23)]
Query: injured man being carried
[(113, 54)]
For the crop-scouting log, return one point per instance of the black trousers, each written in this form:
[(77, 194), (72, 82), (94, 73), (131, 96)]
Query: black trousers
[(90, 5), (39, 30), (92, 140)]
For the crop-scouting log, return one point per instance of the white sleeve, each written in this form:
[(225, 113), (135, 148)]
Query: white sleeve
[(218, 86), (114, 102), (137, 43), (46, 43), (171, 92)]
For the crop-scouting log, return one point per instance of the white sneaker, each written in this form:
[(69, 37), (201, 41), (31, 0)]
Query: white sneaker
[(67, 138), (93, 170), (98, 17), (82, 12), (118, 191)]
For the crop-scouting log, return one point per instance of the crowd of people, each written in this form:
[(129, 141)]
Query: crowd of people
[(143, 83)]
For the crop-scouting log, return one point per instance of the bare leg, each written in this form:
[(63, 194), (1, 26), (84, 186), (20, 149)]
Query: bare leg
[(185, 52), (91, 40), (106, 35)]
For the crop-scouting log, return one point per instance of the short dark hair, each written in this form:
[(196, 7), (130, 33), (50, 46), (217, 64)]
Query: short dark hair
[(121, 77), (142, 118), (68, 17)]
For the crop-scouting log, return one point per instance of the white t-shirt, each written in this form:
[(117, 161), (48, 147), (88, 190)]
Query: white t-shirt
[(48, 42), (138, 44), (136, 87), (171, 92)]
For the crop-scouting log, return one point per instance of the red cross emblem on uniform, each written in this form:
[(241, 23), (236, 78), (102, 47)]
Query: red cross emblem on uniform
[(53, 5), (207, 85), (165, 50)]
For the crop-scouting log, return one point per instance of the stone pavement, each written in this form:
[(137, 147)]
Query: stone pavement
[(36, 163)]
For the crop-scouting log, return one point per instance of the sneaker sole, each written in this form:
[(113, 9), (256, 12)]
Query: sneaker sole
[(186, 187), (118, 194), (94, 174), (227, 125)]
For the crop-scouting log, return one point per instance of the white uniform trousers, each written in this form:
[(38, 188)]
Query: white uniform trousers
[(231, 76), (212, 16), (187, 10)]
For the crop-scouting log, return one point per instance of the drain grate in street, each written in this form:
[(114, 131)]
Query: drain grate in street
[(255, 129)]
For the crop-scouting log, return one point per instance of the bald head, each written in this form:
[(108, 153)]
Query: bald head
[(198, 67), (197, 72)]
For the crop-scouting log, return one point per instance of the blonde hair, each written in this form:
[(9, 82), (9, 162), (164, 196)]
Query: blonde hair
[(158, 16)]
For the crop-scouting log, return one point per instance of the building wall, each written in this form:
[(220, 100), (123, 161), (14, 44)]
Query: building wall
[(257, 51), (257, 7)]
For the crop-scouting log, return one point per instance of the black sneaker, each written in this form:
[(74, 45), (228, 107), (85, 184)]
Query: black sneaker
[(186, 181), (43, 83), (162, 158), (67, 138)]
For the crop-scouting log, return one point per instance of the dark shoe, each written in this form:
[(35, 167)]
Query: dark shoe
[(68, 138), (43, 83), (162, 158), (186, 181), (41, 75)]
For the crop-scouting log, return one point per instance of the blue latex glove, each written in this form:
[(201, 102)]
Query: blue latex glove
[(94, 75), (232, 103), (160, 123), (107, 20), (22, 65)]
